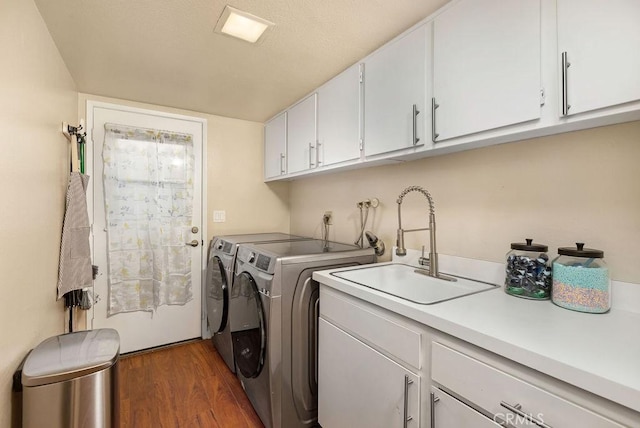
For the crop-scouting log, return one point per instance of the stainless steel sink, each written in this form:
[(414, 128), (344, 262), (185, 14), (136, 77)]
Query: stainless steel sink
[(411, 283)]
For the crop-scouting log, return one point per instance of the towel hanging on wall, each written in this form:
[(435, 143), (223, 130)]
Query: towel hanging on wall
[(75, 271)]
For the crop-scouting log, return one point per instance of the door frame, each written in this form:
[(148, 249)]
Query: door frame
[(89, 168)]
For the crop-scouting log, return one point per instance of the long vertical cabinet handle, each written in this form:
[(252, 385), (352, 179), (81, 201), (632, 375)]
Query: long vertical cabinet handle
[(406, 417), (318, 161), (416, 112), (432, 409), (434, 106), (517, 409), (317, 337), (282, 163), (311, 163), (565, 83)]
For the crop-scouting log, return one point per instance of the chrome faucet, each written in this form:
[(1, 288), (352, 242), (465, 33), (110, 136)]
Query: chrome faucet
[(432, 260)]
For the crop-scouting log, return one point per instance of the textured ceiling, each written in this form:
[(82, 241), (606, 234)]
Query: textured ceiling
[(165, 52)]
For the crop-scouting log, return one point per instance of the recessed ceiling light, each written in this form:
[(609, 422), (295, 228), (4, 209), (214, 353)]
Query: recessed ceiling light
[(243, 25)]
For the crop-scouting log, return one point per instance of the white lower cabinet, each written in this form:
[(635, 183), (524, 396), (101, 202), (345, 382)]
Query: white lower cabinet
[(448, 412), (504, 396), (377, 368), (360, 387)]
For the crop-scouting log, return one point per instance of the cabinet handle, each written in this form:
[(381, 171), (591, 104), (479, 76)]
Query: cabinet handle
[(432, 408), (517, 409), (416, 112), (281, 163), (318, 162), (565, 91), (311, 163), (434, 106), (406, 417)]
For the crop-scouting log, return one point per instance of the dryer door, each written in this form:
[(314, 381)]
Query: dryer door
[(217, 295), (250, 337)]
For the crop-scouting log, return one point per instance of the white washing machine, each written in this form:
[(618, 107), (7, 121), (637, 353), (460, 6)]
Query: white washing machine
[(219, 282), (274, 310)]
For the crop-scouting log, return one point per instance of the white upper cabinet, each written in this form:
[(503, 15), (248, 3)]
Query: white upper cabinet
[(486, 58), (395, 94), (598, 53), (339, 118), (275, 146), (302, 148)]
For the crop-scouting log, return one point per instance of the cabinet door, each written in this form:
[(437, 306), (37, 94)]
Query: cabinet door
[(275, 146), (601, 39), (486, 66), (451, 413), (339, 118), (301, 135), (395, 82), (360, 387)]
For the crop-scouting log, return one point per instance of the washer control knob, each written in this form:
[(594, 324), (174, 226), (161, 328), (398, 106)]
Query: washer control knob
[(219, 245), (252, 257)]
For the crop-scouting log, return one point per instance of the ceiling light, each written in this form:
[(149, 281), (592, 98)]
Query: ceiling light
[(243, 25)]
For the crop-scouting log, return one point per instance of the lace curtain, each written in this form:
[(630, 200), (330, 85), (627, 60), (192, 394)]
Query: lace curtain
[(148, 188)]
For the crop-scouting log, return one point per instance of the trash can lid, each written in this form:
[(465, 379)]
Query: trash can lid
[(70, 356)]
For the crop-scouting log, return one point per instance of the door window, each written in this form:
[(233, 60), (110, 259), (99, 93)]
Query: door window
[(217, 295), (249, 339)]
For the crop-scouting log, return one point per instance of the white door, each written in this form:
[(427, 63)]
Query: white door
[(360, 387), (166, 323), (275, 146), (486, 59), (301, 136), (600, 39), (339, 118), (395, 81)]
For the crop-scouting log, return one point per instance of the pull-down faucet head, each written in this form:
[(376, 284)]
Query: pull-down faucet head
[(401, 250)]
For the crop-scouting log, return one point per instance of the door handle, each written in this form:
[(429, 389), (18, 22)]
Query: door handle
[(193, 243), (405, 417), (432, 408), (434, 106), (517, 409), (416, 112), (311, 149), (318, 161), (565, 90)]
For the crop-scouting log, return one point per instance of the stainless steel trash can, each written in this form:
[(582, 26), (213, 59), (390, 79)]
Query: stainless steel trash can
[(71, 381)]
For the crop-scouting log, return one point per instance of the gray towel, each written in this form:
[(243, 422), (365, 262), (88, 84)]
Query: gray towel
[(75, 270)]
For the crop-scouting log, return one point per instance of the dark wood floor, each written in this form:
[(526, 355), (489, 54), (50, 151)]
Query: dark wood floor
[(186, 385)]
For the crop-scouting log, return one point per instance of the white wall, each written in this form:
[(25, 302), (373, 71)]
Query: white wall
[(576, 187), (37, 93)]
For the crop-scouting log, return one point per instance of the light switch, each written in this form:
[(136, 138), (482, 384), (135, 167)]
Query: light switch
[(219, 216)]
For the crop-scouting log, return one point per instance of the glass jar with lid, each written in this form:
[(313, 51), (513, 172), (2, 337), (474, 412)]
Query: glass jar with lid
[(581, 280), (528, 273)]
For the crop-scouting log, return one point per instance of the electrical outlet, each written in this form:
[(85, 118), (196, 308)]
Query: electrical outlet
[(219, 216), (327, 218)]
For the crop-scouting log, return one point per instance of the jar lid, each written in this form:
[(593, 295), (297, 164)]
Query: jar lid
[(529, 246), (580, 251)]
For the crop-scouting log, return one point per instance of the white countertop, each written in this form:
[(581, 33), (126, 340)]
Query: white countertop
[(599, 353)]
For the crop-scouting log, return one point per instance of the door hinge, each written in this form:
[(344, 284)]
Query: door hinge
[(542, 97)]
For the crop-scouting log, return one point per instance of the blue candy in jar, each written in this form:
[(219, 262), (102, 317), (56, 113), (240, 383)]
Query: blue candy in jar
[(528, 273)]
